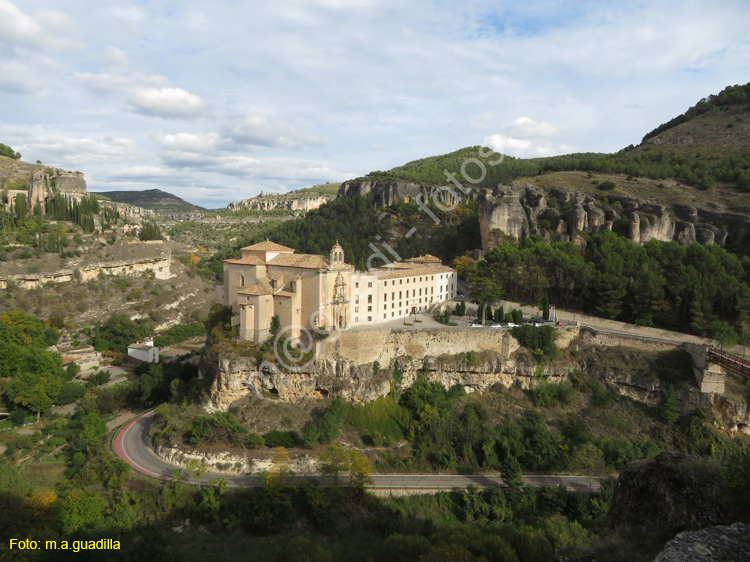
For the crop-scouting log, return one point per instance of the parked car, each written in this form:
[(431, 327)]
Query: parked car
[(477, 325), (512, 325), (537, 324), (561, 323), (498, 326)]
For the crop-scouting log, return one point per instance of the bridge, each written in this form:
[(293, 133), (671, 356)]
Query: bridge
[(728, 362)]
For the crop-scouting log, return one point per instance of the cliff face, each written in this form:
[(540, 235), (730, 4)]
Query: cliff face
[(674, 493), (43, 181), (387, 193), (520, 209), (270, 203), (712, 544)]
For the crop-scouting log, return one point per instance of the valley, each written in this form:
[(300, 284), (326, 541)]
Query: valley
[(561, 385)]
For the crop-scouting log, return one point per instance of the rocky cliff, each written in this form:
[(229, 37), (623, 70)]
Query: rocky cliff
[(674, 493), (521, 208), (387, 193), (41, 181), (359, 366), (270, 203), (721, 543)]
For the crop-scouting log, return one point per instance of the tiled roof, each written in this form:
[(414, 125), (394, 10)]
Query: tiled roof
[(424, 259), (247, 260), (284, 294), (406, 270), (269, 246), (309, 261), (262, 287)]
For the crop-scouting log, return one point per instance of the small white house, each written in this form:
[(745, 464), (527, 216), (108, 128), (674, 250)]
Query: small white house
[(144, 351)]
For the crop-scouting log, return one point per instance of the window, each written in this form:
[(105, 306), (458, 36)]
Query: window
[(432, 290), (392, 314), (400, 281), (356, 299), (369, 283), (369, 309), (356, 318), (420, 292), (399, 294), (369, 318), (384, 315), (369, 299), (242, 280), (407, 280), (393, 305), (356, 285), (385, 296), (385, 307), (356, 309)]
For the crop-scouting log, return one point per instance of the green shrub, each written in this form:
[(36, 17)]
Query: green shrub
[(276, 438)]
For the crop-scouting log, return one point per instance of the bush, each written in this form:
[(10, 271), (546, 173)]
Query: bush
[(606, 186), (275, 438)]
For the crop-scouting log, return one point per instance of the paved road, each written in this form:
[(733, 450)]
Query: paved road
[(130, 444)]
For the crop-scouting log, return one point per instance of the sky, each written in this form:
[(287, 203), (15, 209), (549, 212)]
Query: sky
[(219, 101)]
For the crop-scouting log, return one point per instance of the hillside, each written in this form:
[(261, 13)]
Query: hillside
[(154, 199), (708, 144)]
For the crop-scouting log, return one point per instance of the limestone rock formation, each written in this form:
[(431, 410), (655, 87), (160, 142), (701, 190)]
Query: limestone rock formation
[(712, 544), (520, 208)]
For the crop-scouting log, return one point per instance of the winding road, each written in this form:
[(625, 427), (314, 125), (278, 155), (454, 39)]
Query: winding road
[(131, 445)]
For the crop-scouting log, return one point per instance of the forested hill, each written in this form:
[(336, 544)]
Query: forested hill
[(151, 199), (709, 143)]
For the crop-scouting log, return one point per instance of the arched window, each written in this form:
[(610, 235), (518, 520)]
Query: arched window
[(242, 280)]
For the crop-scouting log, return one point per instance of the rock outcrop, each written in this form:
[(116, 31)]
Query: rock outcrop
[(290, 202), (712, 544), (521, 208), (673, 493)]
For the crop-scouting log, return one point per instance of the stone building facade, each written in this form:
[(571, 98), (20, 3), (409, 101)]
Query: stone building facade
[(307, 291)]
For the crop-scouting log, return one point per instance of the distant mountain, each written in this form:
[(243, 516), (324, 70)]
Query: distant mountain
[(154, 199)]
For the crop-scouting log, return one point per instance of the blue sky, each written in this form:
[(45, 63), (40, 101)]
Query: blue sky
[(218, 101)]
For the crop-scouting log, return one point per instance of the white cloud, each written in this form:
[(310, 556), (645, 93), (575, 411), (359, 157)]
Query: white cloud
[(77, 151), (116, 58), (16, 78), (140, 172), (508, 145), (169, 103), (258, 131), (190, 142), (49, 29), (527, 128)]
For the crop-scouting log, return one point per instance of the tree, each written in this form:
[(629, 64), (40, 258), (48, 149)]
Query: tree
[(360, 470), (334, 461), (310, 435), (275, 325), (36, 391), (280, 473), (150, 231), (545, 307), (669, 410), (22, 208)]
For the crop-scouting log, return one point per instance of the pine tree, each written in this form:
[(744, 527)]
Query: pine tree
[(545, 307), (669, 410)]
